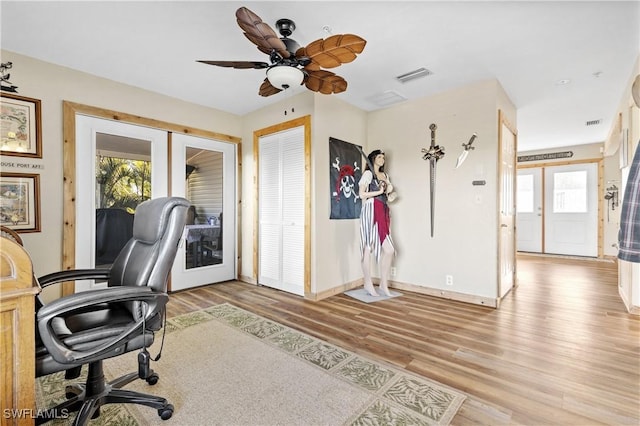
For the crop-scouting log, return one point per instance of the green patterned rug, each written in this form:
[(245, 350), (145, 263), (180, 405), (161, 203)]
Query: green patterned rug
[(267, 374)]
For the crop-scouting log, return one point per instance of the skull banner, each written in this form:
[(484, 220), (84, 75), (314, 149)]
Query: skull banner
[(345, 170)]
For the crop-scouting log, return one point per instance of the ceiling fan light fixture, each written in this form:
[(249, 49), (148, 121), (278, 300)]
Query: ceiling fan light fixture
[(284, 76)]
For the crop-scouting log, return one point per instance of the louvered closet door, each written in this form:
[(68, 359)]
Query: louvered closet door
[(281, 211)]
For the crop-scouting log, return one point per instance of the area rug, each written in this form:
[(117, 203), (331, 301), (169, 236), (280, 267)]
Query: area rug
[(362, 295), (227, 366)]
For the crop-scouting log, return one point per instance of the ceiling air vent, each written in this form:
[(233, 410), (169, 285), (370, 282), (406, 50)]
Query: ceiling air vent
[(593, 122), (387, 98), (419, 73)]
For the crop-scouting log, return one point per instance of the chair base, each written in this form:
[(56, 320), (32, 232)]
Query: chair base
[(87, 398)]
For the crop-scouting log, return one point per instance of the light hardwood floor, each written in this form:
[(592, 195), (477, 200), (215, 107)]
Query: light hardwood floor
[(561, 350)]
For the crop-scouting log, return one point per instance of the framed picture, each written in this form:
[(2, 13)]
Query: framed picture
[(20, 126), (20, 201)]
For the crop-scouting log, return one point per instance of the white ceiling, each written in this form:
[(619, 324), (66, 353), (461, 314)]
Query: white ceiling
[(527, 46)]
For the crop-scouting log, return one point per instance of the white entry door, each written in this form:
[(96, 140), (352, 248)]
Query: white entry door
[(571, 209), (204, 172), (281, 206), (529, 210)]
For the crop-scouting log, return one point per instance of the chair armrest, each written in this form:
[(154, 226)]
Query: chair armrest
[(73, 275), (81, 301)]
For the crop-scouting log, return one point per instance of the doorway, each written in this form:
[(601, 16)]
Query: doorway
[(558, 209)]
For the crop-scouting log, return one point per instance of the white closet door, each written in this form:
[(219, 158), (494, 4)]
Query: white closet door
[(281, 211)]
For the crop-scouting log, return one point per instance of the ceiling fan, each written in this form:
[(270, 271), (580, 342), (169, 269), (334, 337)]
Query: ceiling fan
[(289, 64)]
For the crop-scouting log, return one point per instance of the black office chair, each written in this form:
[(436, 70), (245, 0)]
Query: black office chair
[(88, 327)]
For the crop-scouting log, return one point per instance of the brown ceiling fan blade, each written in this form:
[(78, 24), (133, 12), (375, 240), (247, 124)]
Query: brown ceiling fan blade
[(238, 64), (260, 33), (325, 82), (335, 50), (267, 89)]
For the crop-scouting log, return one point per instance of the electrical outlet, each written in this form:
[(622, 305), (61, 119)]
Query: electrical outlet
[(393, 271), (449, 279)]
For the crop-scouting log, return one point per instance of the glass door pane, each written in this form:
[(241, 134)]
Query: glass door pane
[(204, 172), (123, 180), (204, 190)]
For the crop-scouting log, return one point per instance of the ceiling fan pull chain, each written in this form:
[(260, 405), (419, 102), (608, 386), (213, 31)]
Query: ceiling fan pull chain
[(288, 96)]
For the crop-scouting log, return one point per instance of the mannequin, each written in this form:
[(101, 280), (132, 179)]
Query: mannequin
[(375, 222)]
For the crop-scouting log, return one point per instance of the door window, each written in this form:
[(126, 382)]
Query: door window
[(570, 192), (525, 195)]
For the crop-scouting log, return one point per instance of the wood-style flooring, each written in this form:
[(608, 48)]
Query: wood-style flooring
[(560, 350)]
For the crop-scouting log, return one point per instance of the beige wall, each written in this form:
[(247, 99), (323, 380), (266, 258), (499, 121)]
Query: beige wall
[(465, 239), (335, 243)]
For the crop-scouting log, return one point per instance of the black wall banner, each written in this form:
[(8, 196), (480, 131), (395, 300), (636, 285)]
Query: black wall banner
[(345, 170)]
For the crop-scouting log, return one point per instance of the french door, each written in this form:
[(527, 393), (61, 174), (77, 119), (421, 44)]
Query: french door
[(557, 209), (99, 137), (203, 171), (529, 210)]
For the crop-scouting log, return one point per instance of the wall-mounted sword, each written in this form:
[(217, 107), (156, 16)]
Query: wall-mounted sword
[(433, 154)]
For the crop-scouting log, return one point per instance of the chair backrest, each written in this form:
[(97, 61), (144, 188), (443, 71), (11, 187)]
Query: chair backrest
[(147, 258), (191, 215)]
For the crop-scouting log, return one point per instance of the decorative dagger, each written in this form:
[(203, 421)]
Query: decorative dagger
[(433, 154), (467, 147)]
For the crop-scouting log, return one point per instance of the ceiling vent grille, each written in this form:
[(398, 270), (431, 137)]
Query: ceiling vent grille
[(387, 98), (419, 73), (593, 122)]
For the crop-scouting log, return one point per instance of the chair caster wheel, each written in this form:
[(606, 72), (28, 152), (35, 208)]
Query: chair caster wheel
[(166, 412), (153, 379)]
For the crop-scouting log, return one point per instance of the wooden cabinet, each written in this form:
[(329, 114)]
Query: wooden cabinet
[(17, 340)]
